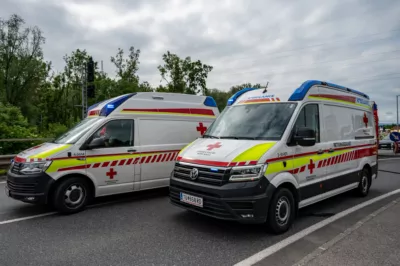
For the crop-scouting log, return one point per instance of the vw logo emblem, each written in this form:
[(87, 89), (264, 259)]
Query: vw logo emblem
[(194, 174)]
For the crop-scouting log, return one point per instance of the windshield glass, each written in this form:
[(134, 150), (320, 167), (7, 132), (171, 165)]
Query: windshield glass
[(252, 121), (75, 133)]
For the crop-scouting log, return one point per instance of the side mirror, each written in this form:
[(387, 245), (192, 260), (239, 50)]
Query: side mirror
[(305, 137), (96, 143)]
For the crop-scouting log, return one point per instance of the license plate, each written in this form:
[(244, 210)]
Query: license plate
[(189, 199)]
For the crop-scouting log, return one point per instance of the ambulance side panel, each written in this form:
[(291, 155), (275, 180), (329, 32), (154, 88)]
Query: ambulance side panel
[(166, 136)]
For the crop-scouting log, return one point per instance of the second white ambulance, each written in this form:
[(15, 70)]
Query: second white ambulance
[(127, 143), (266, 157)]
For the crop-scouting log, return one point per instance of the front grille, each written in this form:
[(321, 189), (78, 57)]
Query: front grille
[(211, 206), (206, 175), (21, 187)]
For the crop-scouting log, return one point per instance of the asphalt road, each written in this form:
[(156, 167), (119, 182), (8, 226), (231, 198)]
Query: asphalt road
[(145, 229)]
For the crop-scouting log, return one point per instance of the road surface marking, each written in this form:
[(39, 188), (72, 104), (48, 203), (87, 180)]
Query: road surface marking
[(26, 218), (3, 182), (387, 159), (293, 238), (317, 252)]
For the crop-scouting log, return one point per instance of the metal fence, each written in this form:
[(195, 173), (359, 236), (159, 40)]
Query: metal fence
[(5, 160)]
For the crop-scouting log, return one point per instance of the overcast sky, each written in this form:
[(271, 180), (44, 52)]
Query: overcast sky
[(354, 43)]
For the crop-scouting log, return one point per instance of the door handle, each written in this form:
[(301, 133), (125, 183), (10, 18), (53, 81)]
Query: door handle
[(320, 151), (131, 150), (331, 150)]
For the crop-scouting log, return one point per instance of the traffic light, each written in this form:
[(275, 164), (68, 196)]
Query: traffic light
[(90, 78)]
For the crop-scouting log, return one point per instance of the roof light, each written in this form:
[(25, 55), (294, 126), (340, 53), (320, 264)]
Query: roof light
[(238, 94), (111, 106), (94, 106), (209, 101), (301, 91)]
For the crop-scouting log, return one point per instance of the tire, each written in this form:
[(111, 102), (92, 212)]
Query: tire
[(281, 212), (364, 183), (71, 195)]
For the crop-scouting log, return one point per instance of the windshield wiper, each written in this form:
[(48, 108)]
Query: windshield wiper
[(231, 137), (211, 137)]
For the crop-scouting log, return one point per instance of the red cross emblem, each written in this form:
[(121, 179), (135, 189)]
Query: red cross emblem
[(111, 173), (365, 120), (311, 166), (201, 128), (214, 146)]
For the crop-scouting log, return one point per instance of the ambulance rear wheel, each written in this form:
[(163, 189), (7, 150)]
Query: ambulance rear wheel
[(71, 195), (365, 183), (281, 212)]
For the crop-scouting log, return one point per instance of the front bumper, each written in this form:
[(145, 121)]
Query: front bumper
[(28, 188), (245, 202)]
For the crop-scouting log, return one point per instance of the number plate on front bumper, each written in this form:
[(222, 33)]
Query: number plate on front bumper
[(189, 199)]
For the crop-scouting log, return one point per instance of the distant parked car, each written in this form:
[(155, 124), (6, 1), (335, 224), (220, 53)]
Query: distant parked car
[(386, 143)]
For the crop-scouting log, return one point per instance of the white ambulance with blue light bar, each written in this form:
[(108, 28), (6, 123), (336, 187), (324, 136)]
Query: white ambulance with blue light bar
[(125, 144), (265, 156)]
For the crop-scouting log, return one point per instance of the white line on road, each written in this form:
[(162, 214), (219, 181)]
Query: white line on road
[(387, 159), (290, 240), (2, 182), (26, 218)]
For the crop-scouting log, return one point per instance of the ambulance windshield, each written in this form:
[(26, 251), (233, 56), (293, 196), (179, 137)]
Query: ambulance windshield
[(252, 121), (80, 129)]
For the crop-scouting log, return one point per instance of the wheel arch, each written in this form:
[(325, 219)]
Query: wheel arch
[(61, 179)]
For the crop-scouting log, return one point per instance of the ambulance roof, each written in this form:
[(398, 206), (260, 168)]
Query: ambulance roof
[(257, 95), (155, 102)]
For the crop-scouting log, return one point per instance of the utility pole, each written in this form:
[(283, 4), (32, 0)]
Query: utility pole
[(397, 113)]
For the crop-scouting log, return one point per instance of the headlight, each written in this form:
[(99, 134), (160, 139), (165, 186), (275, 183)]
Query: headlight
[(34, 167), (247, 173)]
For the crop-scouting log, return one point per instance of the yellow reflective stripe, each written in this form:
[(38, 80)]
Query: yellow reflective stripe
[(339, 101), (48, 153), (276, 167), (184, 148), (254, 153)]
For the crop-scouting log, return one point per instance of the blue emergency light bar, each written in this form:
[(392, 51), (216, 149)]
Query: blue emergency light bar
[(235, 96), (300, 92), (111, 106)]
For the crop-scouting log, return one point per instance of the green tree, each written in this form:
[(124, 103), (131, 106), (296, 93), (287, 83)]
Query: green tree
[(22, 68), (183, 75)]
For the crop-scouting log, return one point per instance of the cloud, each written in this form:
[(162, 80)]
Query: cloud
[(354, 43)]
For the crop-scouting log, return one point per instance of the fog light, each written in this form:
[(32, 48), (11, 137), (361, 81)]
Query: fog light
[(30, 198), (247, 215)]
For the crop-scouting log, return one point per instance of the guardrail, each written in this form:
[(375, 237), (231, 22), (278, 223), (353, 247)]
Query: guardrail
[(5, 161)]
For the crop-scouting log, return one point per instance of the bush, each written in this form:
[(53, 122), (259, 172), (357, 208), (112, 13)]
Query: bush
[(13, 125)]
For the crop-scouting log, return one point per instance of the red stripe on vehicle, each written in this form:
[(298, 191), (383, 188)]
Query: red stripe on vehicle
[(129, 161), (296, 171), (253, 162), (302, 169), (115, 154), (136, 160), (148, 159), (154, 157), (165, 155), (143, 159), (159, 157), (96, 165), (232, 164), (349, 99), (320, 164), (79, 167), (204, 162), (114, 163), (105, 164), (19, 160), (122, 162), (193, 111), (241, 163)]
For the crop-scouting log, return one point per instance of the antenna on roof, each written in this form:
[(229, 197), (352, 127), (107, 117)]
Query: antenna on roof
[(265, 88)]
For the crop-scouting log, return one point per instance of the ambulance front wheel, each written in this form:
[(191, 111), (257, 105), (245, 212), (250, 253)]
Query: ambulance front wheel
[(71, 195), (364, 183), (281, 211)]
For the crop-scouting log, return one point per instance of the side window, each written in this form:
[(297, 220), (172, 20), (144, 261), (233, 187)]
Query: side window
[(114, 134), (309, 117)]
